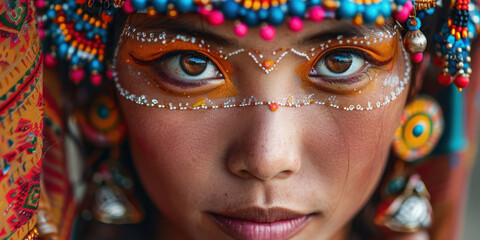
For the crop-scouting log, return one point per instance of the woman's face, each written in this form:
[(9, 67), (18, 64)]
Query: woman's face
[(228, 170)]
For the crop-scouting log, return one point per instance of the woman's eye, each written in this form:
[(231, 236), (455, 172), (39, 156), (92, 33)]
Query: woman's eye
[(189, 67), (338, 64), (187, 72)]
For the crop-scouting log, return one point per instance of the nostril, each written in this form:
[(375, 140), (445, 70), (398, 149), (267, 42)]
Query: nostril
[(244, 174)]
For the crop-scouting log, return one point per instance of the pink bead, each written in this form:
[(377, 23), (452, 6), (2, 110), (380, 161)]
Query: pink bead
[(96, 79), (110, 74), (295, 24), (444, 79), (317, 14), (267, 32), (417, 57), (240, 29), (127, 7), (403, 15), (215, 18), (77, 75), (49, 60), (409, 6), (461, 81), (41, 33), (203, 11), (40, 4)]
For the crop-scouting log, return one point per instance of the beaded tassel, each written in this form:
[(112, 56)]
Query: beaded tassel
[(453, 46), (78, 36)]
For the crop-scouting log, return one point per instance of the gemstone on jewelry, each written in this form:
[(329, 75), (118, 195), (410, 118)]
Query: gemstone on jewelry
[(274, 106), (268, 64)]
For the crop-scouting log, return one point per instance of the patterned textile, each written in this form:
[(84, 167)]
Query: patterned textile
[(21, 114)]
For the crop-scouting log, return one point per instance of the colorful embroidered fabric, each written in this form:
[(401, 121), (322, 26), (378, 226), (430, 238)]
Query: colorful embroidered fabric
[(21, 119)]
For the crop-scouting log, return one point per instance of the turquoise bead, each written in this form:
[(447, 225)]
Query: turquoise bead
[(160, 5), (230, 9), (251, 18), (347, 9), (297, 8), (371, 13), (385, 9), (184, 6), (139, 5), (275, 16), (418, 130)]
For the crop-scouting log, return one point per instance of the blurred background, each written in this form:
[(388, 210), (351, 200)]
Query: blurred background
[(471, 226)]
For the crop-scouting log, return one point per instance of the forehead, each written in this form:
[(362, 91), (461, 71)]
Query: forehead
[(312, 34)]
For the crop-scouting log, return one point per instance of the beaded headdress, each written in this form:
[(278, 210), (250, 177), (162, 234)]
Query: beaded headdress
[(77, 31)]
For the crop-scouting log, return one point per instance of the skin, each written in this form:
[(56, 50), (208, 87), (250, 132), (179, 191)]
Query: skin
[(314, 159)]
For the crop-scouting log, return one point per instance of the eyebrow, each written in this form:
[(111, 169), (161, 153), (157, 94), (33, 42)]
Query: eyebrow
[(184, 27)]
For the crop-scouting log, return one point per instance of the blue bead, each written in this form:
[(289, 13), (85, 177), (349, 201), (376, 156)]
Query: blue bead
[(160, 5), (385, 9), (430, 11), (312, 3), (103, 111), (87, 26), (230, 9), (251, 18), (347, 9), (139, 5), (451, 39), (371, 13), (90, 34), (360, 8), (421, 14), (75, 60), (297, 8), (417, 130), (275, 16), (401, 2), (416, 27), (262, 14), (78, 26), (95, 65), (242, 11), (62, 50), (184, 6), (51, 14), (458, 44)]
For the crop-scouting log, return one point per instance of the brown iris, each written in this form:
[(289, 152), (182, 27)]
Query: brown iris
[(339, 62), (193, 64)]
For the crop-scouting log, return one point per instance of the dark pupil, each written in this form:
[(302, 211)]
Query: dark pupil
[(339, 62), (193, 64)]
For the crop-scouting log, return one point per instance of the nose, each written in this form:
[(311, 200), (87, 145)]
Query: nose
[(267, 147)]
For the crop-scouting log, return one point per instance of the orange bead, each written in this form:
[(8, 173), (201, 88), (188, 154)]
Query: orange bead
[(61, 19), (358, 20), (151, 12), (274, 106), (268, 64)]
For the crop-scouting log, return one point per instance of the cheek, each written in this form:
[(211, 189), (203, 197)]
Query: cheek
[(175, 154)]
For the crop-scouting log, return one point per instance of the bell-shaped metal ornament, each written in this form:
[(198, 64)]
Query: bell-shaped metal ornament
[(415, 42)]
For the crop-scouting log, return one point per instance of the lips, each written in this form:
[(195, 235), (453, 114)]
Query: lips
[(261, 224)]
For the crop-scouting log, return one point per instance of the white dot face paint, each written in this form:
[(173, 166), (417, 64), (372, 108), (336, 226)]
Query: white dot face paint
[(182, 72)]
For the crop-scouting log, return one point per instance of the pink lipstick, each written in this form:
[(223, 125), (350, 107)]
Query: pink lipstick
[(261, 224)]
